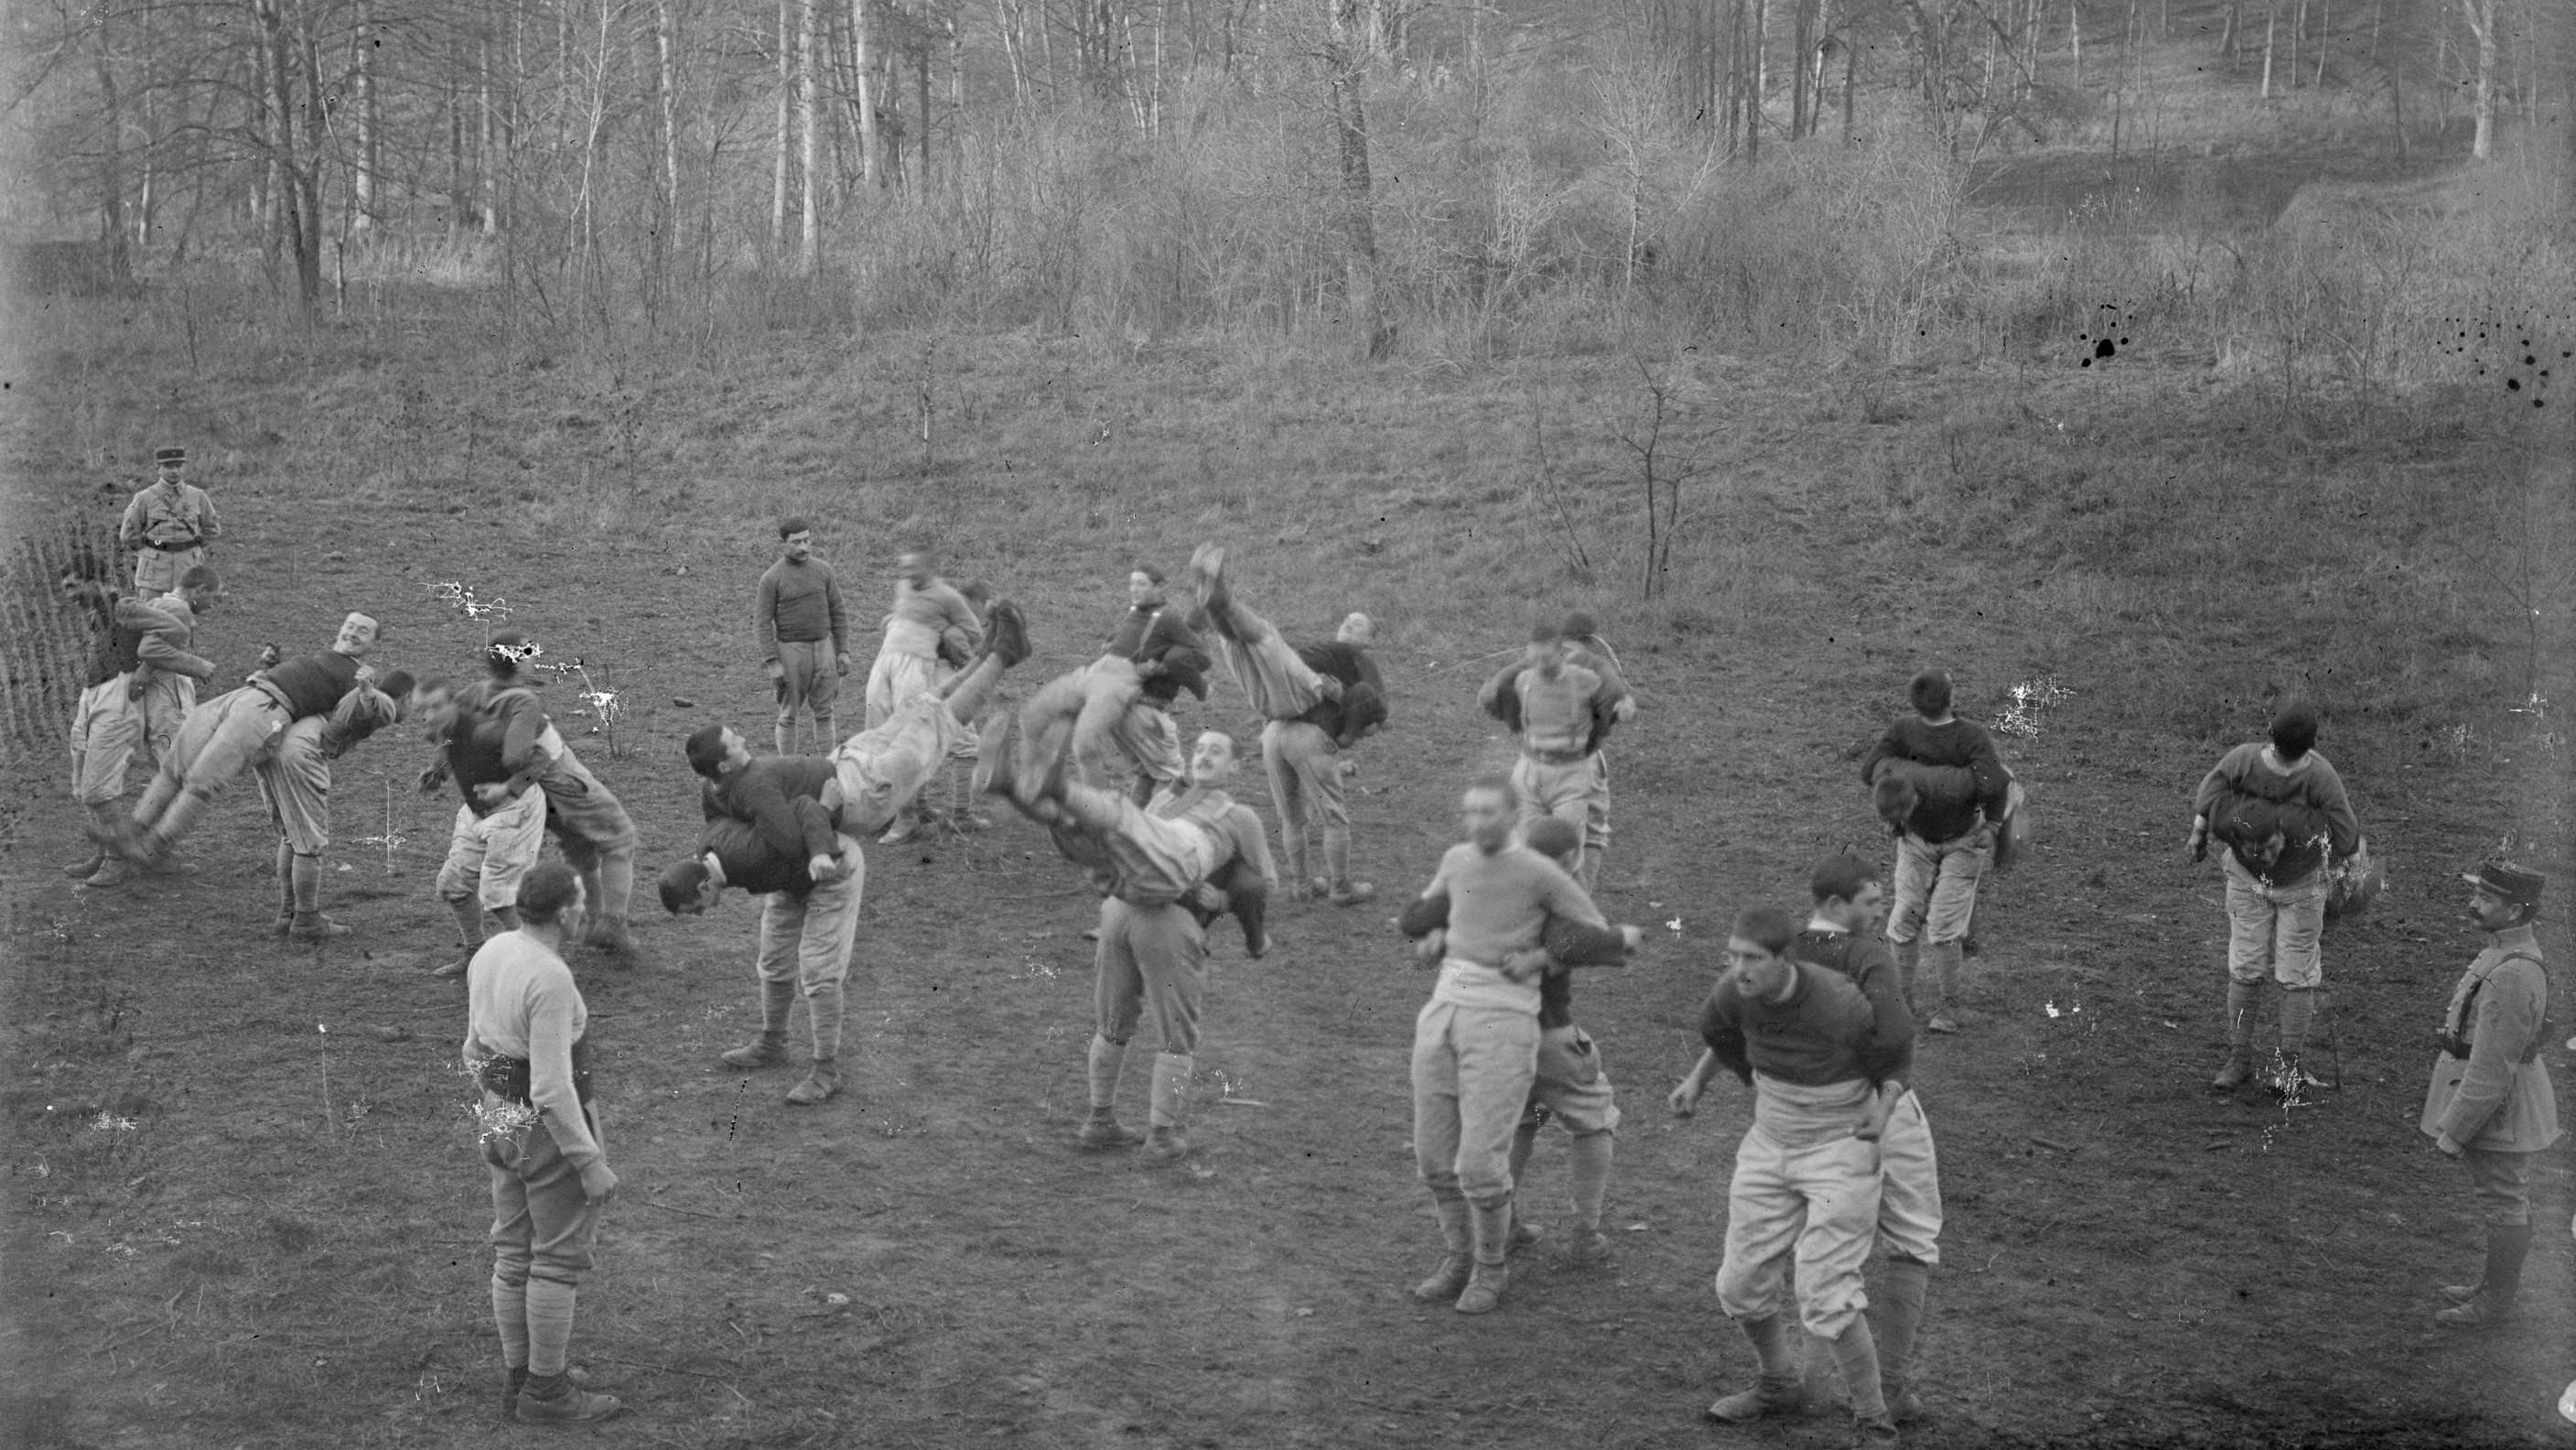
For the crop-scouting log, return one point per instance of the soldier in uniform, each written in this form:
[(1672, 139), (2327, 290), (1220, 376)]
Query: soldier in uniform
[(2490, 1105), (169, 525)]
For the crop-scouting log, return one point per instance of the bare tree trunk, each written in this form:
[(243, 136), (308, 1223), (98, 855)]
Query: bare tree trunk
[(1803, 41), (2271, 28), (362, 80), (487, 123), (2481, 16), (779, 167), (2075, 37), (809, 243), (2298, 24), (1345, 59), (666, 44), (863, 48), (111, 170), (1756, 30), (1851, 85), (921, 89), (2325, 39), (1013, 51)]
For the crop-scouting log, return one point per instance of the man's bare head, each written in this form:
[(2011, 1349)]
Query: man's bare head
[(917, 567), (357, 636), (1357, 629), (1212, 758)]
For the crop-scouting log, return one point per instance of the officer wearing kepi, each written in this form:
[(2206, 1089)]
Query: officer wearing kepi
[(167, 526), (2490, 1104)]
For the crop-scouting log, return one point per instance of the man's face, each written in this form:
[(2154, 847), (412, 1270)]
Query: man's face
[(2492, 912), (434, 703), (357, 637), (1863, 913), (1142, 591), (800, 544), (171, 474), (1547, 656), (2267, 850), (1487, 815), (915, 569), (1357, 630), (1212, 759), (736, 754), (204, 600), (1761, 974)]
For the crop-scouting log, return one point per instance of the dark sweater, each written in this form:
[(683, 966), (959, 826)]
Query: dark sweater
[(1870, 966), (1821, 1035), (1568, 943), (1961, 743), (2311, 790), (313, 684), (800, 604), (1156, 633), (1363, 701), (751, 863), (763, 794)]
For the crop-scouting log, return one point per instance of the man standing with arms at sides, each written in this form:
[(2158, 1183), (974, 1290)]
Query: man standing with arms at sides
[(1807, 1175), (1561, 709), (1944, 847), (2490, 1105), (930, 618), (296, 784), (803, 635), (169, 524), (1842, 934), (1476, 1042), (2276, 888), (526, 1043), (1315, 700), (107, 723), (170, 675), (233, 732)]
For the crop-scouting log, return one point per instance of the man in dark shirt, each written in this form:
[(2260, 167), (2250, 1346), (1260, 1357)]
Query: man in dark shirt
[(1123, 700), (225, 736), (1806, 1184), (1945, 845), (1315, 700), (803, 632)]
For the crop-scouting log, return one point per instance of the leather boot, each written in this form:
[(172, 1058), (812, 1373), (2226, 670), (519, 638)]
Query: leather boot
[(1492, 1225), (310, 925), (2508, 1244), (1458, 1252)]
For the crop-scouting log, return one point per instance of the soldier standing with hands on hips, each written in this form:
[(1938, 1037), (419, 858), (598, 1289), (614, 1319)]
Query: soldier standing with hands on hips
[(2490, 1105)]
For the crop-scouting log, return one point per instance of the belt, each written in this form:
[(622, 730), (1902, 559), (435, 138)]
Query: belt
[(173, 548), (275, 695), (509, 1077)]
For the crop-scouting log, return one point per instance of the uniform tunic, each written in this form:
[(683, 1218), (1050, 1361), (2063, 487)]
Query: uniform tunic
[(170, 525), (2490, 1094)]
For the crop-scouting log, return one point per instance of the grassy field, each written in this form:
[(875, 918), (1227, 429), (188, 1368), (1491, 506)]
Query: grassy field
[(244, 1206)]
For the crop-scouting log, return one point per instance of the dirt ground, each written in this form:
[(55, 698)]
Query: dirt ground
[(244, 1206)]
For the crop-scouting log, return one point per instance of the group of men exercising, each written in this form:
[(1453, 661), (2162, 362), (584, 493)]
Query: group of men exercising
[(1817, 1020)]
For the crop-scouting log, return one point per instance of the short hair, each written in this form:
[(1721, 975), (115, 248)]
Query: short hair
[(1894, 797), (681, 882), (1149, 571), (794, 524), (1230, 747), (1357, 628), (545, 891), (1767, 927), (1546, 630), (428, 684), (706, 751), (1579, 625), (1841, 874), (373, 622), (2294, 729), (201, 576), (1492, 780), (1930, 692), (396, 683), (1553, 837), (929, 559)]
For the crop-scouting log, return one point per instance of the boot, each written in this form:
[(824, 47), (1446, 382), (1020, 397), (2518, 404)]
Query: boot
[(2507, 1246), (99, 824), (1166, 1143), (112, 871), (1006, 634), (777, 999), (2236, 1072), (1347, 892), (1776, 1392), (1899, 1305), (310, 925), (820, 1085), (553, 1397), (1458, 1253), (1102, 1131), (1492, 1228)]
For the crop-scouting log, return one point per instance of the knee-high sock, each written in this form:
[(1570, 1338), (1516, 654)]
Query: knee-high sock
[(1907, 954), (181, 815), (1337, 852), (1589, 1159), (1769, 1336), (1171, 1089), (2298, 1009), (1900, 1315), (1524, 1140), (1292, 860), (824, 1005), (550, 1305), (2240, 1012), (784, 735), (285, 878), (1945, 960), (1857, 1352), (616, 888), (968, 692), (510, 1316), (1457, 1226), (469, 920), (824, 723), (1493, 1230), (305, 874), (1107, 1058), (777, 1001)]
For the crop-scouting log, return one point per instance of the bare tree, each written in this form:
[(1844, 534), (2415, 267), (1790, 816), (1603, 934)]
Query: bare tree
[(1346, 75)]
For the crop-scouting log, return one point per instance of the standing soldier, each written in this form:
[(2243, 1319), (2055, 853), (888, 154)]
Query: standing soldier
[(526, 1044), (1943, 846), (107, 723), (2490, 1105), (803, 635), (931, 621), (169, 525), (2276, 877), (1315, 700), (1561, 708), (167, 683)]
